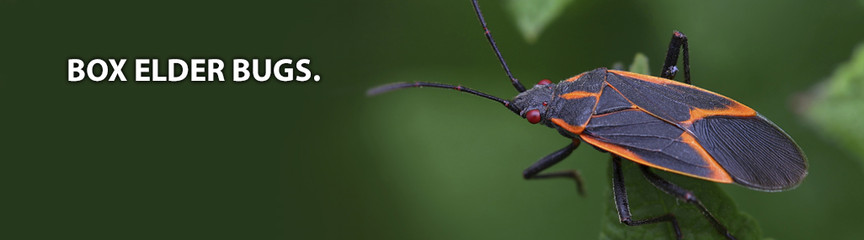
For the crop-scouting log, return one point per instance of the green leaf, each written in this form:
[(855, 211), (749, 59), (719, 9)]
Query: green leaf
[(640, 64), (646, 201), (532, 16), (836, 107)]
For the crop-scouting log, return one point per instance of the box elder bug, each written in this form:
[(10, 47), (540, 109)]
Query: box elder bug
[(655, 122)]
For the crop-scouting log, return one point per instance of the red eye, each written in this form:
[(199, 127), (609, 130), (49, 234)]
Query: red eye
[(533, 116), (544, 82)]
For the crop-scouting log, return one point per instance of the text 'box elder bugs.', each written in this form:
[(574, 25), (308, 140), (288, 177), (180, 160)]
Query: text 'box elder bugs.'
[(655, 122)]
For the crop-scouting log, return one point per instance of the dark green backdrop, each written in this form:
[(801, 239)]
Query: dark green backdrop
[(322, 161)]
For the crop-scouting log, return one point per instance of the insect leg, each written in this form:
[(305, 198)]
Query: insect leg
[(684, 195), (669, 70), (551, 159), (623, 205)]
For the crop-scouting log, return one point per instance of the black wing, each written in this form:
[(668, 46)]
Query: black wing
[(754, 151)]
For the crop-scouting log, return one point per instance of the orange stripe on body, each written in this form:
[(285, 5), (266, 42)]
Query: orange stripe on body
[(579, 94), (566, 126), (575, 95), (718, 173)]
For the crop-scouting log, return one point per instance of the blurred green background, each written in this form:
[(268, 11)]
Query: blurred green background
[(322, 161)]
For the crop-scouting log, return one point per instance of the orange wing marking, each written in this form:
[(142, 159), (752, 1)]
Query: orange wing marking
[(719, 174), (735, 110), (649, 78)]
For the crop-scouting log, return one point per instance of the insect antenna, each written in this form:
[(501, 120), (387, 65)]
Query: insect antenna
[(400, 85), (513, 80)]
